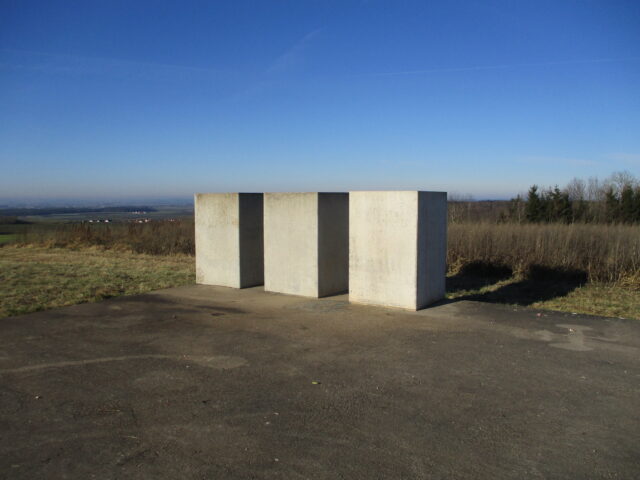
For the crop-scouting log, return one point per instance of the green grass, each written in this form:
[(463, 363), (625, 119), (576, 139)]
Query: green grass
[(8, 238), (597, 299), (36, 279)]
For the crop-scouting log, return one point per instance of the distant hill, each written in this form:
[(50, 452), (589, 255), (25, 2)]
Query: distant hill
[(22, 212)]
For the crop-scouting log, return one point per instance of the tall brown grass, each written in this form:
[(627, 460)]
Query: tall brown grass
[(155, 238), (605, 253)]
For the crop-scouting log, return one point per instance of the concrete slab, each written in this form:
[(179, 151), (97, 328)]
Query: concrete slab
[(306, 243), (213, 382), (397, 248), (229, 239)]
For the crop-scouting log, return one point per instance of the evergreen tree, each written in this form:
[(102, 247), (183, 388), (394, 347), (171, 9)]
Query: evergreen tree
[(612, 205), (627, 204), (534, 208), (636, 205), (580, 210), (559, 206), (546, 206)]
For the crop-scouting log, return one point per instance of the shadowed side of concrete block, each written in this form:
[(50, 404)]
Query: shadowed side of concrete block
[(251, 240), (333, 243), (432, 247)]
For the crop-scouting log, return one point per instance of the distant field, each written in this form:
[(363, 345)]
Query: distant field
[(160, 213), (39, 228)]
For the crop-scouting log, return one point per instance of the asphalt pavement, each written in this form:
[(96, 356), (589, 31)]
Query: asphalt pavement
[(209, 382)]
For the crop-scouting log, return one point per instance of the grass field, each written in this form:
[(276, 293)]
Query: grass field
[(38, 278)]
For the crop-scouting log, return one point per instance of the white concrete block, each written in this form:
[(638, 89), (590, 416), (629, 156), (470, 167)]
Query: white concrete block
[(306, 243), (397, 248), (229, 239)]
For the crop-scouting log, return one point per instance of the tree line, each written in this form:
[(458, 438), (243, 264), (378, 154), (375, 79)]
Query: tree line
[(614, 200)]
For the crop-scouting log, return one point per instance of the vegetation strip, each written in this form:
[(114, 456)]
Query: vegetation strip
[(39, 278)]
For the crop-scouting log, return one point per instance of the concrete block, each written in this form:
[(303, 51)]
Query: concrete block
[(229, 239), (397, 248), (306, 243)]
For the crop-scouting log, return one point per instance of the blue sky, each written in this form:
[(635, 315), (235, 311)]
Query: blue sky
[(118, 98)]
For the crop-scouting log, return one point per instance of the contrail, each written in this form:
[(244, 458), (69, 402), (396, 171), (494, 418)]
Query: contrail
[(504, 66)]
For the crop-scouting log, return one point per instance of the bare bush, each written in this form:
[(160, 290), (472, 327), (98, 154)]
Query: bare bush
[(605, 253), (155, 238)]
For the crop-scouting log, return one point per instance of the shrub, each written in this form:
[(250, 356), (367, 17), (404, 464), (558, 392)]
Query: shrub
[(606, 253)]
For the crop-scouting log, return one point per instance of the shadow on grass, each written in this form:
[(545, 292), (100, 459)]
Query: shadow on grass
[(476, 275), (537, 285)]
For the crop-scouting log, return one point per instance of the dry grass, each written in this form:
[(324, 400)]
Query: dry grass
[(597, 299), (562, 294), (603, 253), (39, 278), (580, 268), (155, 238), (593, 269)]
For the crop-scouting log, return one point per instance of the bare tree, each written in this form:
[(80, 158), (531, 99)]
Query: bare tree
[(459, 206), (595, 191), (620, 180), (576, 189)]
